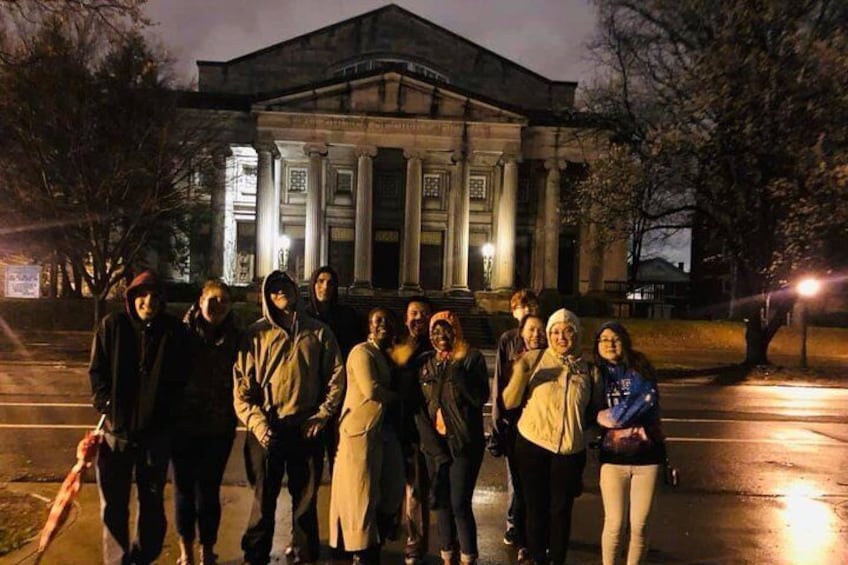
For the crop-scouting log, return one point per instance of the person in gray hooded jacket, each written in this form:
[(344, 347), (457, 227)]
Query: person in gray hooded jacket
[(289, 383)]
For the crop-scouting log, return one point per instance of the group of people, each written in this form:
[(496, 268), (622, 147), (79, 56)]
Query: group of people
[(398, 412), (548, 405)]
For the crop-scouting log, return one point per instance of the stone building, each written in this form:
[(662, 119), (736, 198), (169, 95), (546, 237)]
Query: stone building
[(394, 150)]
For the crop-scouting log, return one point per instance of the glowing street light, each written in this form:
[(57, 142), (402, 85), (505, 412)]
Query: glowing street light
[(488, 262), (284, 245), (807, 288)]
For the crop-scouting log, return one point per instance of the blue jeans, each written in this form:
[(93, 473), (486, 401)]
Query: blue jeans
[(115, 465), (199, 464), (453, 489)]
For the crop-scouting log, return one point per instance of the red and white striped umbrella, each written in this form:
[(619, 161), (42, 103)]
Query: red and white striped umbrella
[(61, 505)]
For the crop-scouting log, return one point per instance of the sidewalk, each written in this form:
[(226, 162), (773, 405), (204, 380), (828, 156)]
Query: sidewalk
[(689, 527)]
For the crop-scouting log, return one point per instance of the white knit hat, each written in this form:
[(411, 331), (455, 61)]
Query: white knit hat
[(564, 316)]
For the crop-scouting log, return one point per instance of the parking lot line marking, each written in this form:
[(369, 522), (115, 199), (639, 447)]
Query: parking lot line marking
[(48, 404), (65, 427), (777, 441)]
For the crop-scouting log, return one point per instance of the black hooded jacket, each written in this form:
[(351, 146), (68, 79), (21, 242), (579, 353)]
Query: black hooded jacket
[(138, 370), (342, 319), (208, 407)]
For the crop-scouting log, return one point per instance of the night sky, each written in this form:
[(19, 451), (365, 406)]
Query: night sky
[(546, 36)]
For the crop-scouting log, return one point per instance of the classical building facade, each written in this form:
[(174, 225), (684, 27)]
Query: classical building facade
[(395, 150)]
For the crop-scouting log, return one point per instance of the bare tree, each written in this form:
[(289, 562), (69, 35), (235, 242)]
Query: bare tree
[(97, 159), (735, 113)]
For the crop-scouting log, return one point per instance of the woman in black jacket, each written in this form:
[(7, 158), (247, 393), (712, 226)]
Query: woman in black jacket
[(455, 386), (207, 423)]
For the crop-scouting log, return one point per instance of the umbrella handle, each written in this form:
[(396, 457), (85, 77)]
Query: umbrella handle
[(101, 423)]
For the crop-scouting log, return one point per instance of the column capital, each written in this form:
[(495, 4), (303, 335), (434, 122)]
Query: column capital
[(413, 153), (509, 158), (267, 147), (365, 151), (221, 151), (558, 164), (458, 156), (315, 149)]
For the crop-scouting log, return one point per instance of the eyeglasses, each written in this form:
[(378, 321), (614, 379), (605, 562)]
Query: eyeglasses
[(610, 341)]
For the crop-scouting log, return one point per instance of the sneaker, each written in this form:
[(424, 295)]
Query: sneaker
[(510, 536)]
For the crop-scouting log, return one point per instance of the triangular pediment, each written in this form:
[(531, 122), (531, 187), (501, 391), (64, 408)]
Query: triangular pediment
[(391, 93)]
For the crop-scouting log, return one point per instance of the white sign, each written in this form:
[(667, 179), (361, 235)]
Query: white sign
[(23, 281)]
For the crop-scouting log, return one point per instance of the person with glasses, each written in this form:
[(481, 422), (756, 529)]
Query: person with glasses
[(289, 383), (561, 395), (455, 386), (632, 449)]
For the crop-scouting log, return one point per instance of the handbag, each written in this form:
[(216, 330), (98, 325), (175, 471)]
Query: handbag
[(627, 441)]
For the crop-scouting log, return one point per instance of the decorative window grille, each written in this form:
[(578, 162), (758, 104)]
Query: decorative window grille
[(477, 187), (297, 179), (432, 186), (344, 182), (388, 187)]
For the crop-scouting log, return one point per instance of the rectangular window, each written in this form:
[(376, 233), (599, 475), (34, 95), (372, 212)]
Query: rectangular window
[(477, 187), (344, 182), (432, 186), (297, 179), (388, 187)]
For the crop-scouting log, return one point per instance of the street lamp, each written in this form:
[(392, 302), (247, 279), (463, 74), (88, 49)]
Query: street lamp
[(807, 288), (488, 261), (285, 245)]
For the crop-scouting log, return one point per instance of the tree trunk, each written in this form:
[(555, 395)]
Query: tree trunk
[(756, 342), (53, 287)]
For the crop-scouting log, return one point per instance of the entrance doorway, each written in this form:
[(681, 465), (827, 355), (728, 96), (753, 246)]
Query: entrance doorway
[(385, 262), (567, 266), (430, 275)]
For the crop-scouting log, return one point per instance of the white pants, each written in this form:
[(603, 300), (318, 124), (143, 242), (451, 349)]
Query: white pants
[(623, 487)]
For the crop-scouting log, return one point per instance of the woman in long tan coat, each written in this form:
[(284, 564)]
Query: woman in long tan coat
[(367, 484)]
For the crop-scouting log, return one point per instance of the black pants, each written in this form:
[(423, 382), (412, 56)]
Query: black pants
[(199, 464), (116, 463), (416, 506), (516, 512), (302, 460), (330, 433), (453, 488), (550, 484)]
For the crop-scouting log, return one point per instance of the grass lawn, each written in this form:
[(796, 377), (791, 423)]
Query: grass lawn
[(21, 518)]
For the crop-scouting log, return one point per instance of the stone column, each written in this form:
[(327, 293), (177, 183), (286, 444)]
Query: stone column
[(504, 267), (362, 244), (411, 254), (462, 219), (218, 205), (314, 229), (267, 210), (551, 224)]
